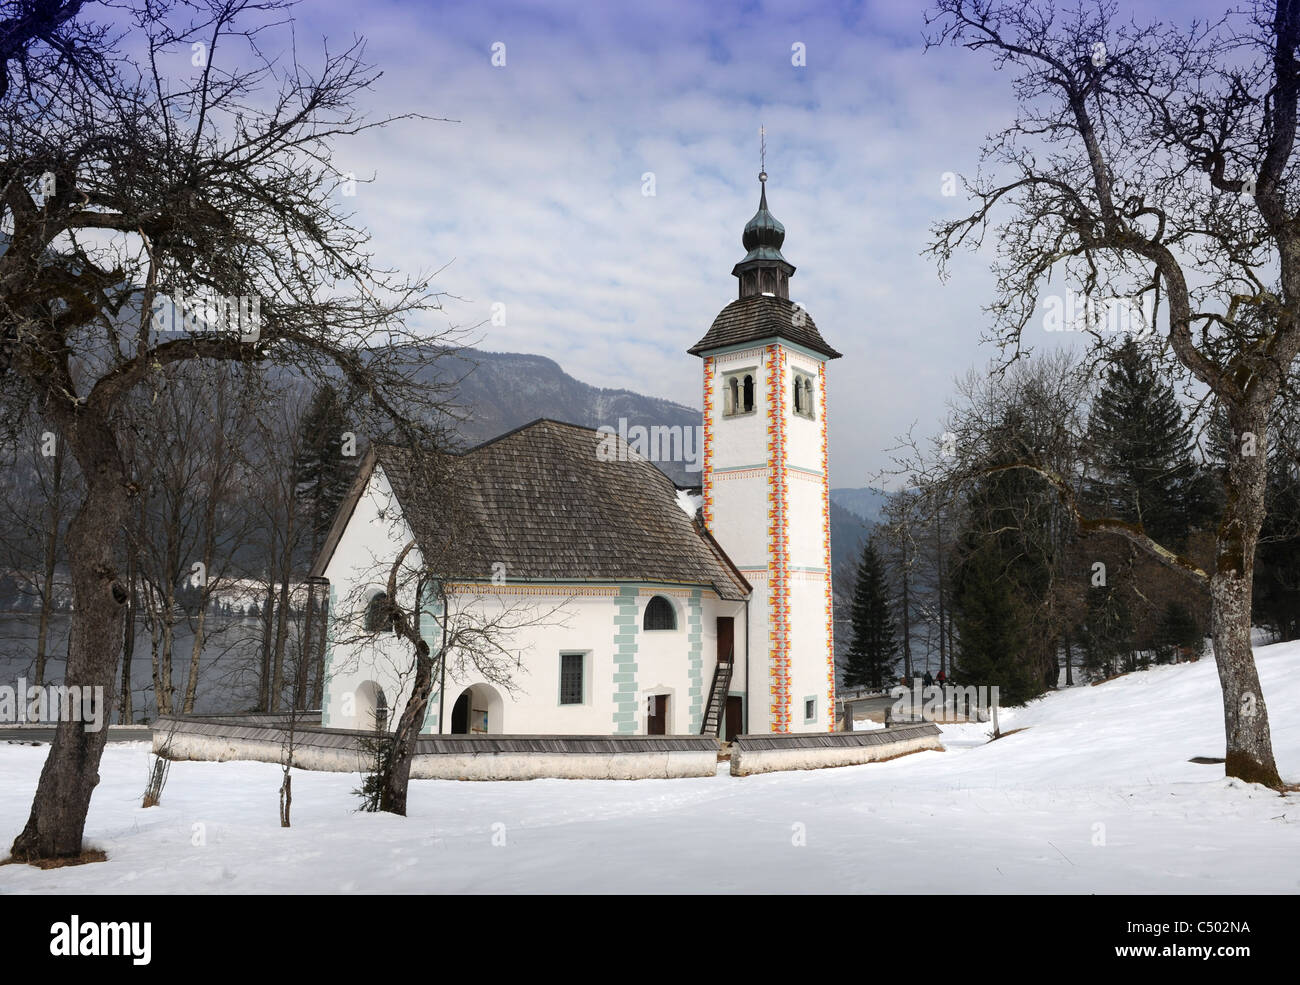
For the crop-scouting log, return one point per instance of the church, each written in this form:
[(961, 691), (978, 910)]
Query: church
[(657, 610)]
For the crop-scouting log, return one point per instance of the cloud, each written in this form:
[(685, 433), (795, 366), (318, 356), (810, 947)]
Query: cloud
[(535, 197)]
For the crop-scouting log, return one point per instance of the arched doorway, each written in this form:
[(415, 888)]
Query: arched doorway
[(371, 707), (477, 711)]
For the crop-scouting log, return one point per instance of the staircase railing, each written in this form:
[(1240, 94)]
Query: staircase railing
[(713, 713)]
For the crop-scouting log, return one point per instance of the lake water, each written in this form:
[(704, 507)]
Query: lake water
[(227, 667)]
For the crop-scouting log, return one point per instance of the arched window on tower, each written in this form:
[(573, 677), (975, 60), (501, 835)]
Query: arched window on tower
[(738, 394), (803, 395), (659, 614)]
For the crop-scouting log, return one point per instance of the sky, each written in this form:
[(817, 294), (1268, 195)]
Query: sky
[(534, 204)]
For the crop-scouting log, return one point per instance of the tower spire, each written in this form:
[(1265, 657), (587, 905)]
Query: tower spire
[(763, 270)]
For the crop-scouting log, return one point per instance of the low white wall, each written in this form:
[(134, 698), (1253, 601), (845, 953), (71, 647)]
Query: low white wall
[(565, 766), (338, 753), (219, 749), (747, 762)]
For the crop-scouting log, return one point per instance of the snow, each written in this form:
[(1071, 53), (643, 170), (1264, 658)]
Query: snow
[(1095, 795), (866, 725), (689, 502)]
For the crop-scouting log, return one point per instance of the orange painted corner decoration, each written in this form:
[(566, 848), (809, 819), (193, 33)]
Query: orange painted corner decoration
[(707, 490), (778, 544), (826, 528)]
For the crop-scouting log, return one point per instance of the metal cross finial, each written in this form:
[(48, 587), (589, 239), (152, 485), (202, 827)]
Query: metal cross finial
[(762, 153)]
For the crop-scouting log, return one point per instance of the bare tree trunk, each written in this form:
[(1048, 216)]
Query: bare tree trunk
[(155, 645), (1249, 754), (300, 676), (1069, 663), (952, 648), (267, 615), (51, 555), (163, 684), (907, 617), (125, 711), (393, 797), (196, 651), (938, 543), (286, 783), (281, 633), (308, 657), (71, 771), (192, 680), (282, 617)]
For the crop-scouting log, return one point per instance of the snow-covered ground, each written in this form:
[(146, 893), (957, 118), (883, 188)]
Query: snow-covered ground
[(1096, 795)]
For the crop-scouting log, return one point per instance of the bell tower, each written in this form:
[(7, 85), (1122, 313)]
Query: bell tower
[(766, 487)]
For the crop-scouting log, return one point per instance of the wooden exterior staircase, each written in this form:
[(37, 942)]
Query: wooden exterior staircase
[(715, 710)]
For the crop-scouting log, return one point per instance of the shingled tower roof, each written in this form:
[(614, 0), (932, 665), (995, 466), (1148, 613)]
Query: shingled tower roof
[(761, 317), (764, 309)]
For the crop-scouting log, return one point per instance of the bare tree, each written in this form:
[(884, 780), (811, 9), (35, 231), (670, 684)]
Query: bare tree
[(431, 584), (152, 221), (41, 489), (900, 516), (1149, 163)]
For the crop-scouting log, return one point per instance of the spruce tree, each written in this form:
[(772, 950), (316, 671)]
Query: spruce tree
[(1107, 635), (1143, 449), (874, 648), (1008, 559), (992, 630), (323, 471), (1177, 631), (1277, 560)]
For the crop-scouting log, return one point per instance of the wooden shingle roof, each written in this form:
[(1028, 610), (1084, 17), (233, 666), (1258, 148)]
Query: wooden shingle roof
[(541, 502), (763, 316)]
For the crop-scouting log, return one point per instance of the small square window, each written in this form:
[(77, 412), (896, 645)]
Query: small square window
[(809, 710), (571, 683)]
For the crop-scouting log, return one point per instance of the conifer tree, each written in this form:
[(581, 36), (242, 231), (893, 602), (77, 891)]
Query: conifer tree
[(991, 629), (874, 647), (1143, 449), (1277, 560), (1106, 635), (324, 472), (1177, 631)]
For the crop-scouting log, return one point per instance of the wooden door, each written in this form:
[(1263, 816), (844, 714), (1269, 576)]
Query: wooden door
[(657, 722), (726, 638), (735, 723)]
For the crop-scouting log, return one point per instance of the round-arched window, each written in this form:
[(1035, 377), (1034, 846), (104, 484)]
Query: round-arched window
[(659, 614), (378, 618)]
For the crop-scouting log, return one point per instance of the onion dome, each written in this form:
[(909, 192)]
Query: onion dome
[(763, 270)]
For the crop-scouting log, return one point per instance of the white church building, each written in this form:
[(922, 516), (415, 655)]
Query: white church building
[(622, 603)]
